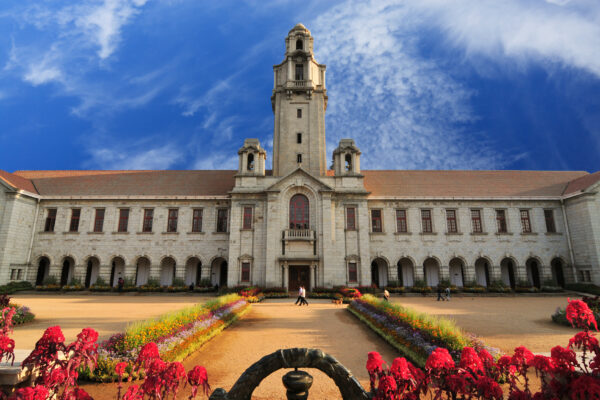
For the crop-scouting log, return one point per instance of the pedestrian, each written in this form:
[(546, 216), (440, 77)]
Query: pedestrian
[(120, 284), (304, 296), (448, 293), (386, 295), (439, 293), (299, 300)]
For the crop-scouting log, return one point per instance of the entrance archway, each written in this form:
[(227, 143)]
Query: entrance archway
[(507, 272), (142, 271), (66, 274), (167, 271), (218, 272), (558, 272), (431, 269), (91, 272), (379, 272), (117, 270), (482, 272), (406, 272), (533, 272), (42, 272), (456, 269), (193, 271)]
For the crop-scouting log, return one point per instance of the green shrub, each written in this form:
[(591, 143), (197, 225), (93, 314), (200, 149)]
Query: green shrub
[(50, 280), (205, 282), (100, 281), (153, 282), (584, 287), (178, 282), (13, 287), (75, 282)]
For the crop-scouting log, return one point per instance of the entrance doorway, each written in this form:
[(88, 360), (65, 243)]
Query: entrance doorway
[(299, 275)]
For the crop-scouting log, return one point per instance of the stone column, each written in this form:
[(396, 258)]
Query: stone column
[(444, 272), (419, 273), (286, 279), (312, 276), (129, 272), (469, 274)]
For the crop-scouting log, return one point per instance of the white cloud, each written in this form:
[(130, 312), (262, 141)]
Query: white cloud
[(216, 160), (138, 157)]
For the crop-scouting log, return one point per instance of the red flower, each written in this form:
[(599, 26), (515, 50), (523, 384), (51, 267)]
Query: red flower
[(563, 359), (88, 335), (579, 314), (148, 353), (53, 334), (595, 364), (470, 360), (80, 394), (584, 340), (439, 360), (485, 357), (133, 393), (30, 393), (457, 384), (374, 362), (387, 388), (400, 369), (522, 357), (519, 395), (198, 377), (504, 364), (585, 387), (120, 368), (489, 388), (543, 363)]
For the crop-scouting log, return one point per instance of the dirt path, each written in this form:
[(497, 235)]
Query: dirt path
[(278, 324), (502, 322), (107, 314)]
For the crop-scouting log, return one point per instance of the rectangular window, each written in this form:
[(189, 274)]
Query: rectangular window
[(50, 220), (451, 221), (19, 273), (245, 272), (550, 225), (197, 220), (222, 220), (352, 272), (299, 113), (525, 222), (299, 72), (148, 218), (75, 215), (501, 221), (426, 221), (172, 220), (99, 220), (123, 220), (476, 221), (298, 138), (247, 222), (401, 226), (351, 218), (13, 274), (376, 225), (299, 158)]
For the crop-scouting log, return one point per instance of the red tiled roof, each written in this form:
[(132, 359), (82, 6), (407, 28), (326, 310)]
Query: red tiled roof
[(132, 183), (381, 183), (582, 183), (17, 181), (468, 183)]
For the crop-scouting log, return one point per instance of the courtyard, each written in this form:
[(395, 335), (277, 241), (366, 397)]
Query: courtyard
[(503, 322)]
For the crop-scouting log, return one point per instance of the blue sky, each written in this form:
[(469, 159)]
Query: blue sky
[(419, 84)]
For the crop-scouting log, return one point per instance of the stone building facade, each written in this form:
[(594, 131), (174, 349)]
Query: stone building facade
[(300, 223)]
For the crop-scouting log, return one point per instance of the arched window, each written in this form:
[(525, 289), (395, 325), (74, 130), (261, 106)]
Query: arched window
[(299, 212), (250, 162), (299, 44), (348, 160)]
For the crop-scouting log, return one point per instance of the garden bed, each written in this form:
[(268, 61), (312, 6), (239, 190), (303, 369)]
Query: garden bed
[(560, 316), (414, 334), (177, 335)]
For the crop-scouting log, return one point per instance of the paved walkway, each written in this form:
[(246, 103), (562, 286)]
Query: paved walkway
[(278, 324), (108, 314)]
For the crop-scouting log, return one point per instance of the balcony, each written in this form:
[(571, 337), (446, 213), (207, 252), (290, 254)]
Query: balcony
[(299, 235), (300, 84)]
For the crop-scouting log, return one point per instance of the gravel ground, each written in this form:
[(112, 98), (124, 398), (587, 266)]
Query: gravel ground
[(107, 314)]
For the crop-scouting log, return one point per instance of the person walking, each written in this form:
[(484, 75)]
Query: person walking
[(299, 300), (386, 295), (439, 293), (120, 283), (448, 293), (304, 296)]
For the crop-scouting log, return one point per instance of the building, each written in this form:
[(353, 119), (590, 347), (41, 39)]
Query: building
[(301, 222)]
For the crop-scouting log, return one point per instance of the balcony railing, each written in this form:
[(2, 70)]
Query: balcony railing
[(300, 84), (299, 234)]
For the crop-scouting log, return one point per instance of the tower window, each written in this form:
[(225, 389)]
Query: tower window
[(299, 113), (298, 138), (299, 158), (250, 165), (348, 160), (299, 72), (299, 44)]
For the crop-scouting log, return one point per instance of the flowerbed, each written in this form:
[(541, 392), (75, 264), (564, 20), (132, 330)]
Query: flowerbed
[(416, 335), (176, 334), (348, 294), (19, 314), (560, 316)]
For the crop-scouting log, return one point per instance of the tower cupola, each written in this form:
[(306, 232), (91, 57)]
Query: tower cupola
[(252, 158), (346, 158)]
